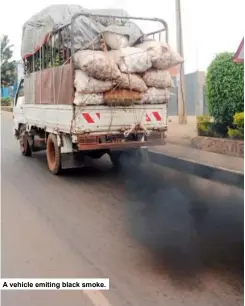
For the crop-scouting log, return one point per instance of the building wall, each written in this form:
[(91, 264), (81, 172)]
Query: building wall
[(194, 95)]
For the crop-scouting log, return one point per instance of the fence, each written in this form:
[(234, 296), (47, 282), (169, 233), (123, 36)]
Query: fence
[(8, 92)]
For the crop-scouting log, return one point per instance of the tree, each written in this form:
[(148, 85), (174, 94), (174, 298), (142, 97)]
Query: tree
[(8, 67), (225, 88)]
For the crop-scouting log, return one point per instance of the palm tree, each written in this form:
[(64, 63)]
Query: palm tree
[(8, 68)]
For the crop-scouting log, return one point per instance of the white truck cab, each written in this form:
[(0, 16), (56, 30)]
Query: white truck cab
[(19, 101)]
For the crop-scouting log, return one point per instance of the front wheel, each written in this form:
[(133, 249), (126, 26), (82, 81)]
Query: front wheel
[(53, 155), (25, 147)]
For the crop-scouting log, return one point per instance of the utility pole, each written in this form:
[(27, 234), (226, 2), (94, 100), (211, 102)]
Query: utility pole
[(181, 82)]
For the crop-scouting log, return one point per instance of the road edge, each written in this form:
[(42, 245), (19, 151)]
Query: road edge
[(218, 174)]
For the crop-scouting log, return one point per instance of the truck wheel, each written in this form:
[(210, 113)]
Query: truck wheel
[(53, 155), (25, 147)]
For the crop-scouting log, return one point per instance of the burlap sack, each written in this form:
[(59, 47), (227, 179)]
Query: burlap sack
[(168, 59), (115, 41), (88, 99), (97, 64), (162, 55), (132, 82), (158, 78), (153, 48), (85, 84), (156, 96), (121, 97), (134, 60)]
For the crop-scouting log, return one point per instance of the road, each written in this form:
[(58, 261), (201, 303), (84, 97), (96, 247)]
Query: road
[(162, 238)]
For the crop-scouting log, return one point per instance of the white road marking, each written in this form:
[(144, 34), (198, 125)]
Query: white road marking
[(97, 298)]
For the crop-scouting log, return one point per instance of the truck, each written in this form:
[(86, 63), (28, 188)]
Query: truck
[(46, 119)]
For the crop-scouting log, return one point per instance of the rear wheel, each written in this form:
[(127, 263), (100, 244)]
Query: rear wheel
[(25, 147), (53, 155)]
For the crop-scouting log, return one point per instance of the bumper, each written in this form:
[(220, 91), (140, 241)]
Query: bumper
[(120, 146)]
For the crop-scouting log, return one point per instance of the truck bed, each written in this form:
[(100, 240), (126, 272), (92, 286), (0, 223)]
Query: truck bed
[(95, 119)]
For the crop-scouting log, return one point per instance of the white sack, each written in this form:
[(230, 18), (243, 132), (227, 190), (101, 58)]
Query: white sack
[(153, 48), (156, 96), (162, 55), (88, 99), (169, 58), (85, 84), (115, 41), (134, 60), (97, 64), (158, 78), (131, 81)]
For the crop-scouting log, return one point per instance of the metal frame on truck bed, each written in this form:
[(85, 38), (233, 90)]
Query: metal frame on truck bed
[(45, 117)]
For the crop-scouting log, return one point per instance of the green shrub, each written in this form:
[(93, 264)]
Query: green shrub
[(206, 127), (6, 101), (204, 118), (235, 133), (237, 130), (225, 88), (203, 125), (238, 120)]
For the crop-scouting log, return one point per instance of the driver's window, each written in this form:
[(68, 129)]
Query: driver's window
[(20, 94)]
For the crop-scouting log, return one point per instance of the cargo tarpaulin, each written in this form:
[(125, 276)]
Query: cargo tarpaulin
[(87, 30)]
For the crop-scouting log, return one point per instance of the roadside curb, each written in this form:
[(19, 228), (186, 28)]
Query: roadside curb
[(221, 175)]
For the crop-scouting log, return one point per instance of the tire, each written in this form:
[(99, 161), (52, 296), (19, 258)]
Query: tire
[(25, 147), (53, 155)]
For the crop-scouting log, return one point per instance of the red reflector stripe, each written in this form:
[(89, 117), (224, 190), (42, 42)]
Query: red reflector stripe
[(88, 118), (157, 116), (147, 118)]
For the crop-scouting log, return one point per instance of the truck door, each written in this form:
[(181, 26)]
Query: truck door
[(19, 101)]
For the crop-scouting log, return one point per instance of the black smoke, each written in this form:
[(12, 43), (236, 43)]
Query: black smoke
[(188, 229)]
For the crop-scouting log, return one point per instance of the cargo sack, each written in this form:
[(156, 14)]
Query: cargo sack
[(134, 60), (97, 64), (115, 41), (162, 55), (153, 48), (168, 59), (88, 99), (132, 82), (85, 84), (156, 96), (158, 78), (121, 97)]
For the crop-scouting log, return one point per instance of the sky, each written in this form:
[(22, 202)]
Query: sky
[(209, 26)]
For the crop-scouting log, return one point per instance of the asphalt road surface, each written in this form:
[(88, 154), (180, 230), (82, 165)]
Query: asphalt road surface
[(161, 237)]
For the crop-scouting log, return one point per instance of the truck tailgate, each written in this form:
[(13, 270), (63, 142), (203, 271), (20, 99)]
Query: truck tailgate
[(101, 119)]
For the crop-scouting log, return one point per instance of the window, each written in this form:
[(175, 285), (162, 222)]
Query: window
[(21, 89), (20, 93)]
